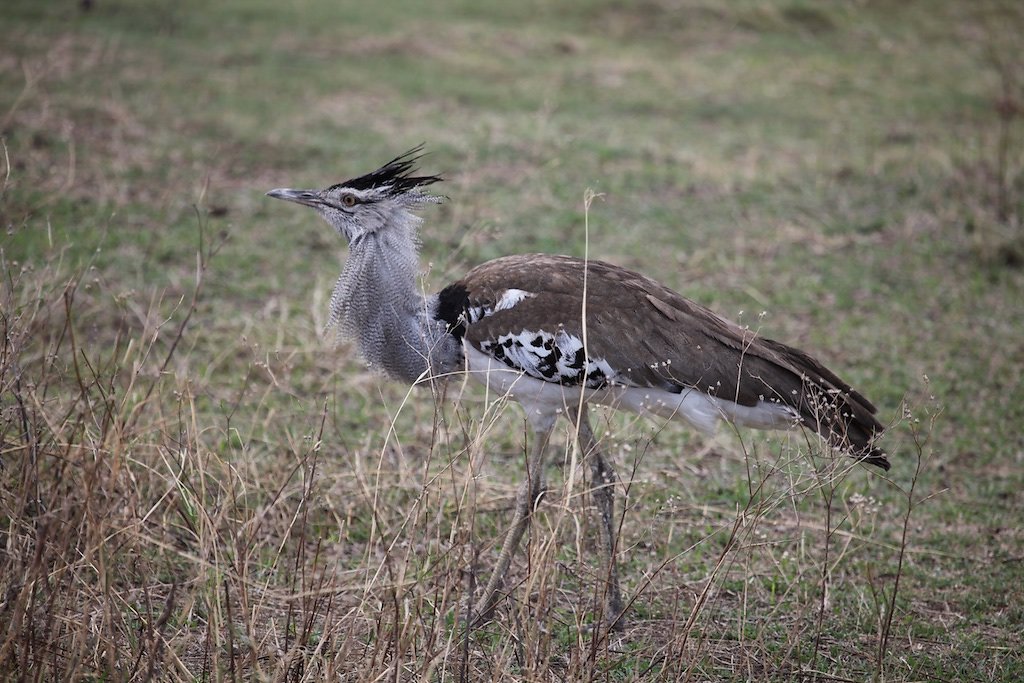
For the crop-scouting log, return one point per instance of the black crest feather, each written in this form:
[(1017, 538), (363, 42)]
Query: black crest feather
[(397, 175)]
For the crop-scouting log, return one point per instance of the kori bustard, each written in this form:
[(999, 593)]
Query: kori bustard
[(556, 333)]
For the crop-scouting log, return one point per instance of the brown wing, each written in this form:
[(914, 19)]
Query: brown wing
[(640, 333)]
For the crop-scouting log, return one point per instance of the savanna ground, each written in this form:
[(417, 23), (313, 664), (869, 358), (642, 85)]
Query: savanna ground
[(197, 485)]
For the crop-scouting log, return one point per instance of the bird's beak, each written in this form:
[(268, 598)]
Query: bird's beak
[(304, 197)]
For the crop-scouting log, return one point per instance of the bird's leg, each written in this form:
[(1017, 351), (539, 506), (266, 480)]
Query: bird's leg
[(602, 481), (525, 498)]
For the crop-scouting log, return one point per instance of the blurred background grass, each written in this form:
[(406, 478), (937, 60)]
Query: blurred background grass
[(852, 169)]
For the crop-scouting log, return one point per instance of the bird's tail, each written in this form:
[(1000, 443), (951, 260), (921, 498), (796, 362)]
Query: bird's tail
[(829, 406), (844, 419)]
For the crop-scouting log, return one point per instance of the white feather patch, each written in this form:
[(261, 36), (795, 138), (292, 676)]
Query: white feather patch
[(508, 299), (511, 297), (543, 399)]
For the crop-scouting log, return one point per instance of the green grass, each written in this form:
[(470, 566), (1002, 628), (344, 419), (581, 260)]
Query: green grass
[(197, 485)]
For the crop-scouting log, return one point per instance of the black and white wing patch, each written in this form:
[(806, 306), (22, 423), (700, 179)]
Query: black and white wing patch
[(553, 355), (557, 357)]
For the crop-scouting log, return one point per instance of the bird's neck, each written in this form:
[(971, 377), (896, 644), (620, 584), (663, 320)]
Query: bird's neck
[(377, 302)]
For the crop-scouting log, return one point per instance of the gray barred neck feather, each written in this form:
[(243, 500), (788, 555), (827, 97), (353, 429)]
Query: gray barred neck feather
[(376, 301)]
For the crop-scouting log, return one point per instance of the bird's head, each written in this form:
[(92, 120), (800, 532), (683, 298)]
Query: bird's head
[(371, 202)]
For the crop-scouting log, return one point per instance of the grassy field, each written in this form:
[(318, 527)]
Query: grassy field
[(197, 484)]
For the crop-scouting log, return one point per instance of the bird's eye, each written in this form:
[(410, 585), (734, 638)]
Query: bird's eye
[(349, 200)]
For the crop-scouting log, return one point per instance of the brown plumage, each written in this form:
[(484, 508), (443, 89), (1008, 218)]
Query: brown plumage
[(653, 337)]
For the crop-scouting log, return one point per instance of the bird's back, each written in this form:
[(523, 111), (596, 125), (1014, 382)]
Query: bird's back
[(529, 313)]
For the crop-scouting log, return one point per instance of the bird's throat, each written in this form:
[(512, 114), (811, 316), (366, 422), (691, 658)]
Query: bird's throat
[(377, 304)]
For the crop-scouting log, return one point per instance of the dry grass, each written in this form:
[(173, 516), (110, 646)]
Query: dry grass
[(145, 540)]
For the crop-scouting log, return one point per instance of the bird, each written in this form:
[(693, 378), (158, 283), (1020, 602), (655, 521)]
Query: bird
[(558, 334)]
